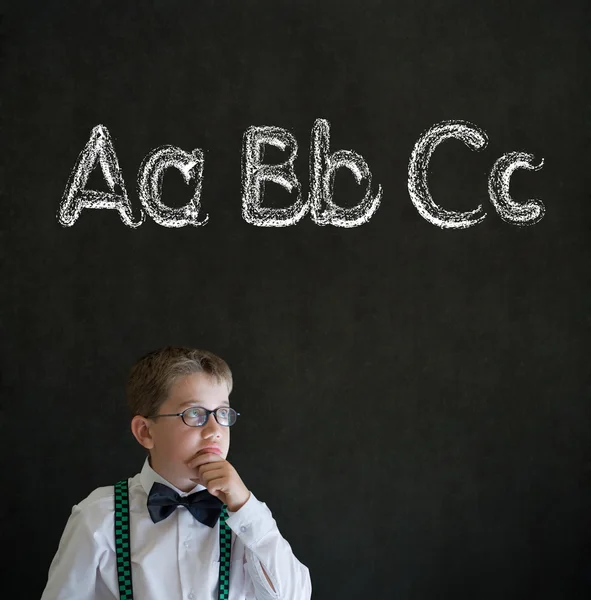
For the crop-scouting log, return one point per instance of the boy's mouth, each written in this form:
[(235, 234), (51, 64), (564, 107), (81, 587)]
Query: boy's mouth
[(213, 449)]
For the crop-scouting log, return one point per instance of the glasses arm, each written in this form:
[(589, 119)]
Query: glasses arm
[(169, 415)]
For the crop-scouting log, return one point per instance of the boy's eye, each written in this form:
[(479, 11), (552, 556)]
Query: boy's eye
[(193, 413)]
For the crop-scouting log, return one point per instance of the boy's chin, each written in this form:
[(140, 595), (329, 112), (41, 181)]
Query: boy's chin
[(194, 478)]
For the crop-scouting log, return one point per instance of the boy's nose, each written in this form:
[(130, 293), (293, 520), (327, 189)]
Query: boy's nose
[(211, 424)]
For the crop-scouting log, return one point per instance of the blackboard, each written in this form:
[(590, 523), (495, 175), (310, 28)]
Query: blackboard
[(414, 395)]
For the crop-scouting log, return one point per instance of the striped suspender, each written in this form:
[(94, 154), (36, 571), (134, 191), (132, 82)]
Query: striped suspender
[(122, 546)]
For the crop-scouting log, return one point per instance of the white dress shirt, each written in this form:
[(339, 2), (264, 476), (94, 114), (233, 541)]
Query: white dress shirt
[(175, 559)]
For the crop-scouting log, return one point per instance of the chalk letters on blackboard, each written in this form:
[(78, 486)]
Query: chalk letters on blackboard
[(150, 178), (498, 182), (323, 165), (322, 168), (98, 148), (418, 167), (255, 174), (516, 213)]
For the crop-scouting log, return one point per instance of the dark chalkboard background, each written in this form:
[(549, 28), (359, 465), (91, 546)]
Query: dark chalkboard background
[(415, 401)]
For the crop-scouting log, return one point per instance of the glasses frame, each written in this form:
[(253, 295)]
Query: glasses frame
[(207, 413)]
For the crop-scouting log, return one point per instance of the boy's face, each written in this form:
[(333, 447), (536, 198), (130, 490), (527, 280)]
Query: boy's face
[(173, 444)]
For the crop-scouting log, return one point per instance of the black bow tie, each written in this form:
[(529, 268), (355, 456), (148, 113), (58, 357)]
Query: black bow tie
[(163, 500)]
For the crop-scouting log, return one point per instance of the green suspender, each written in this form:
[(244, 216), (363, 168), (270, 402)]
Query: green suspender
[(122, 546), (122, 540), (225, 550)]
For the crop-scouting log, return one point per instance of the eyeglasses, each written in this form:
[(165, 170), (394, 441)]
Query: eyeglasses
[(195, 416)]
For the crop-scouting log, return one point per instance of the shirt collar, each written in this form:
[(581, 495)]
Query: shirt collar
[(148, 476)]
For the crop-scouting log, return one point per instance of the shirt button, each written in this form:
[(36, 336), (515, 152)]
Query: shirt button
[(243, 528), (187, 544), (191, 596)]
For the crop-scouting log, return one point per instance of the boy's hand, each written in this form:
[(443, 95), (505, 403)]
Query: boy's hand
[(221, 479)]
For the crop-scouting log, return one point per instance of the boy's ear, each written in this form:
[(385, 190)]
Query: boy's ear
[(140, 427)]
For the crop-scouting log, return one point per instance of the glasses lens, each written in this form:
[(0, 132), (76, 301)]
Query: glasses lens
[(197, 416), (226, 416), (194, 417)]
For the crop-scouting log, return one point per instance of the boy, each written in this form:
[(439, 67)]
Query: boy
[(176, 504)]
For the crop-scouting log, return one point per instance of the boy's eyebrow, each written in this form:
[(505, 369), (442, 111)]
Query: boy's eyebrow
[(197, 403)]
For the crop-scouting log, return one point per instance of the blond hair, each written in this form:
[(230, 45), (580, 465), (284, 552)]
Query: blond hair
[(152, 376)]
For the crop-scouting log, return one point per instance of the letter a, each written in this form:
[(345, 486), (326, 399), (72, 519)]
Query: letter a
[(98, 148)]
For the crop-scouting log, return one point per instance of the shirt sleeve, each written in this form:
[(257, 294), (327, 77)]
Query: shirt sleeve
[(74, 569), (265, 547)]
